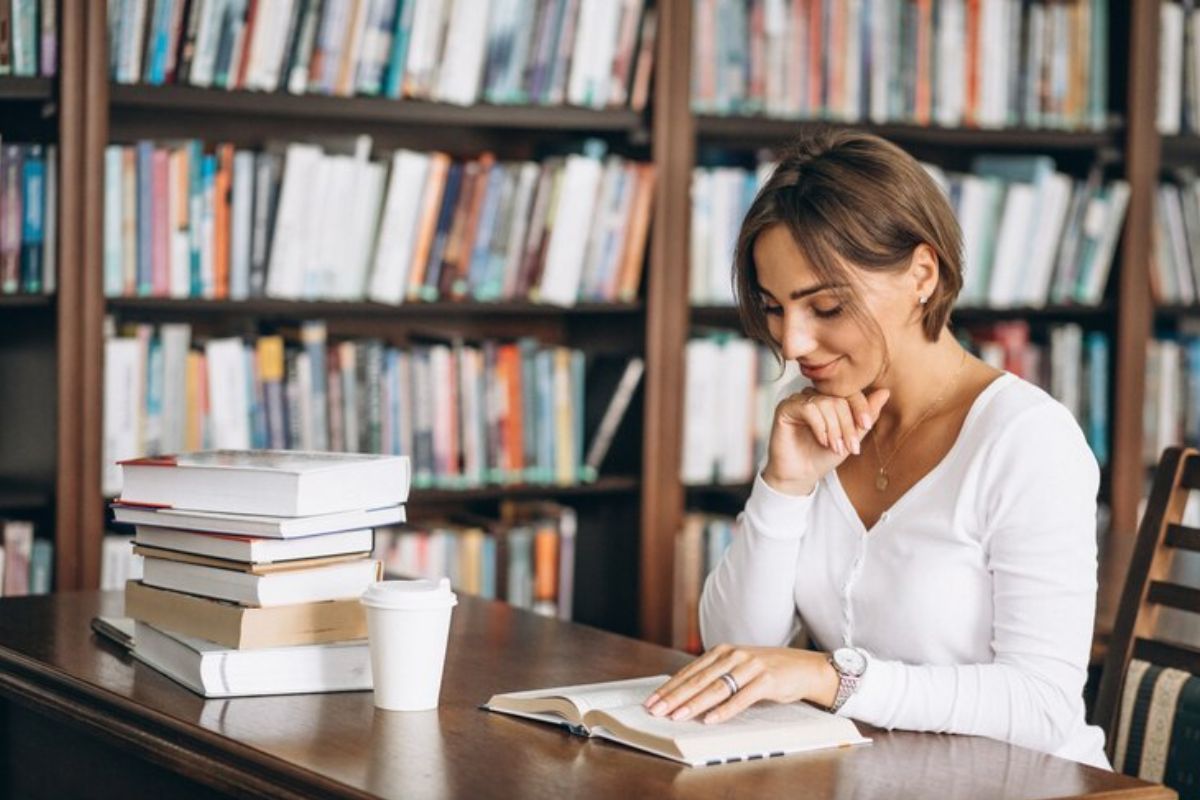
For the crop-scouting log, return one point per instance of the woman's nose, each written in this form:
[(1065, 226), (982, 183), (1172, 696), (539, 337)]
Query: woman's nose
[(798, 340)]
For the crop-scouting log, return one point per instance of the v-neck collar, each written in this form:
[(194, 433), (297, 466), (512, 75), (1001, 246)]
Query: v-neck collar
[(847, 506)]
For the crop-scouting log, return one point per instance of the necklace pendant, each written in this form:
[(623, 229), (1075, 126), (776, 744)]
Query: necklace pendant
[(881, 481)]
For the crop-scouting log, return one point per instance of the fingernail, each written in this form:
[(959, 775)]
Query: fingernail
[(837, 448), (682, 713), (866, 421), (651, 700), (855, 447), (659, 709)]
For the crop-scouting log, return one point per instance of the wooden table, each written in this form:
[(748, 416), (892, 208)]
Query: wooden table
[(79, 718)]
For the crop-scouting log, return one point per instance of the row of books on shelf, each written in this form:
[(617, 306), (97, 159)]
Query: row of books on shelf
[(1071, 363), (1175, 264), (1171, 411), (977, 63), (302, 222), (699, 546), (28, 218), (591, 53), (226, 612), (733, 385), (1032, 235), (525, 556), (1178, 68), (26, 562), (469, 414), (29, 38)]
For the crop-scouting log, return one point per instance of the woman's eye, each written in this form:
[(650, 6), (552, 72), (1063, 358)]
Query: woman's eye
[(773, 311), (826, 313)]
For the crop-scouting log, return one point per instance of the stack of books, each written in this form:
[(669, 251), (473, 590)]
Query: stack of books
[(254, 562)]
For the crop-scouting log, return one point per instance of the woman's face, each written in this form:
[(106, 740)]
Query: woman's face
[(811, 322)]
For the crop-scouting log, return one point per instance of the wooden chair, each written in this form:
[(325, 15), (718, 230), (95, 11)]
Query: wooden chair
[(1149, 697)]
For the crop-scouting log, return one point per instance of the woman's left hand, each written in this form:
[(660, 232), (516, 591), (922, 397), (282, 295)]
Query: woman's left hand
[(781, 674)]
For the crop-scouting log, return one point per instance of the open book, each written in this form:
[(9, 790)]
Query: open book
[(614, 711)]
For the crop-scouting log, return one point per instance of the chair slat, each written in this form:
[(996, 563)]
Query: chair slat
[(1172, 594), (1191, 472), (1183, 537), (1165, 654)]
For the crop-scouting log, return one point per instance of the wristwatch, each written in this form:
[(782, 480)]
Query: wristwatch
[(850, 663)]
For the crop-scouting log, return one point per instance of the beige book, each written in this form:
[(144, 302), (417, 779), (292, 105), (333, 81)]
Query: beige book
[(264, 568), (244, 628), (614, 711)]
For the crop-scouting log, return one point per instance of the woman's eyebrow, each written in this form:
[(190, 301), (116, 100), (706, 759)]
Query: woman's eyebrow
[(820, 287)]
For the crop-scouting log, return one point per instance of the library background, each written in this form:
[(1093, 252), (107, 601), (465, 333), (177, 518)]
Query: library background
[(500, 244)]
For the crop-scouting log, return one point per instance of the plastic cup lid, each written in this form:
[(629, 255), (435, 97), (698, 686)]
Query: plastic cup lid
[(415, 594)]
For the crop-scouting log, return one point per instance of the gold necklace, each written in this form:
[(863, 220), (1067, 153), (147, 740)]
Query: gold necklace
[(881, 480)]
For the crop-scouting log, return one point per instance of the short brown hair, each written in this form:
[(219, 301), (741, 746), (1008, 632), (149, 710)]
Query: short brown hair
[(849, 197)]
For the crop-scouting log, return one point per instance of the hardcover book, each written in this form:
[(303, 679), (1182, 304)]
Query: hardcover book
[(613, 710)]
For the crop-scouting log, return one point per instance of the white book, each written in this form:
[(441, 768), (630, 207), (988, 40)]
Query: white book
[(882, 26), (204, 60), (725, 215), (114, 278), (1170, 68), (259, 525), (122, 407), (1053, 200), (336, 581), (240, 224), (292, 240), (572, 219), (1108, 224), (595, 67), (587, 36), (699, 445), (398, 227), (613, 710), (734, 399), (462, 61), (176, 341), (268, 482), (424, 49), (366, 203), (701, 194), (1008, 265), (254, 550), (974, 215), (228, 393), (214, 671), (951, 36)]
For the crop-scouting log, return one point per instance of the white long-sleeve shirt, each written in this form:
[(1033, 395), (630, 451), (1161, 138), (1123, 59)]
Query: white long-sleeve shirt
[(973, 595)]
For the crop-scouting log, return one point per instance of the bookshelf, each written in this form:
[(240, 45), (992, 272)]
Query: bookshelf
[(643, 505)]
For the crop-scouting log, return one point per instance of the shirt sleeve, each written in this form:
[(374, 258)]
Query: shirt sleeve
[(749, 598), (1039, 509)]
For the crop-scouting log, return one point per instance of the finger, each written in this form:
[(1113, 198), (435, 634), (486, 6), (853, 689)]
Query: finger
[(684, 696), (716, 691), (833, 427), (861, 411), (849, 428), (748, 695), (679, 678), (812, 416), (876, 401)]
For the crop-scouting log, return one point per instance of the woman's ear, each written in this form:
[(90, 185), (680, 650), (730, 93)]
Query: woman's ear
[(923, 267)]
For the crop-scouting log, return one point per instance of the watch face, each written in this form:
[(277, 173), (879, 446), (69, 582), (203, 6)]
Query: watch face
[(849, 661)]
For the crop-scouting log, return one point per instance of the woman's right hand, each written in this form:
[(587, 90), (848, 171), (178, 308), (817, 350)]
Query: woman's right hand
[(814, 433)]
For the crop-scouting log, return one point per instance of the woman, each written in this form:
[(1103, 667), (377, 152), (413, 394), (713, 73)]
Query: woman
[(928, 521)]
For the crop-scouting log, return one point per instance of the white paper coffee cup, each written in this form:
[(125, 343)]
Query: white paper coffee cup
[(408, 623)]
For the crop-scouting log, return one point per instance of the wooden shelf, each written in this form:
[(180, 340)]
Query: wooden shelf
[(754, 132), (26, 89), (327, 309), (1183, 150), (1176, 313), (602, 486), (26, 301), (21, 496), (261, 105)]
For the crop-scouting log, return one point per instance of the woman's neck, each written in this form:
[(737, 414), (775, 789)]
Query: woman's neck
[(922, 378)]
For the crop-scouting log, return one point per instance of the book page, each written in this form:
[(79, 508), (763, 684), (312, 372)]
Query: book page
[(581, 698)]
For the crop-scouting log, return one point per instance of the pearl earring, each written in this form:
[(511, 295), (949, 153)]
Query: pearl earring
[(924, 299)]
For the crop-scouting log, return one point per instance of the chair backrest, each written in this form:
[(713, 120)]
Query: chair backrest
[(1147, 588)]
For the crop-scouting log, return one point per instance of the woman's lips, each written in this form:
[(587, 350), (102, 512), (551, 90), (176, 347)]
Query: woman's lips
[(818, 371)]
